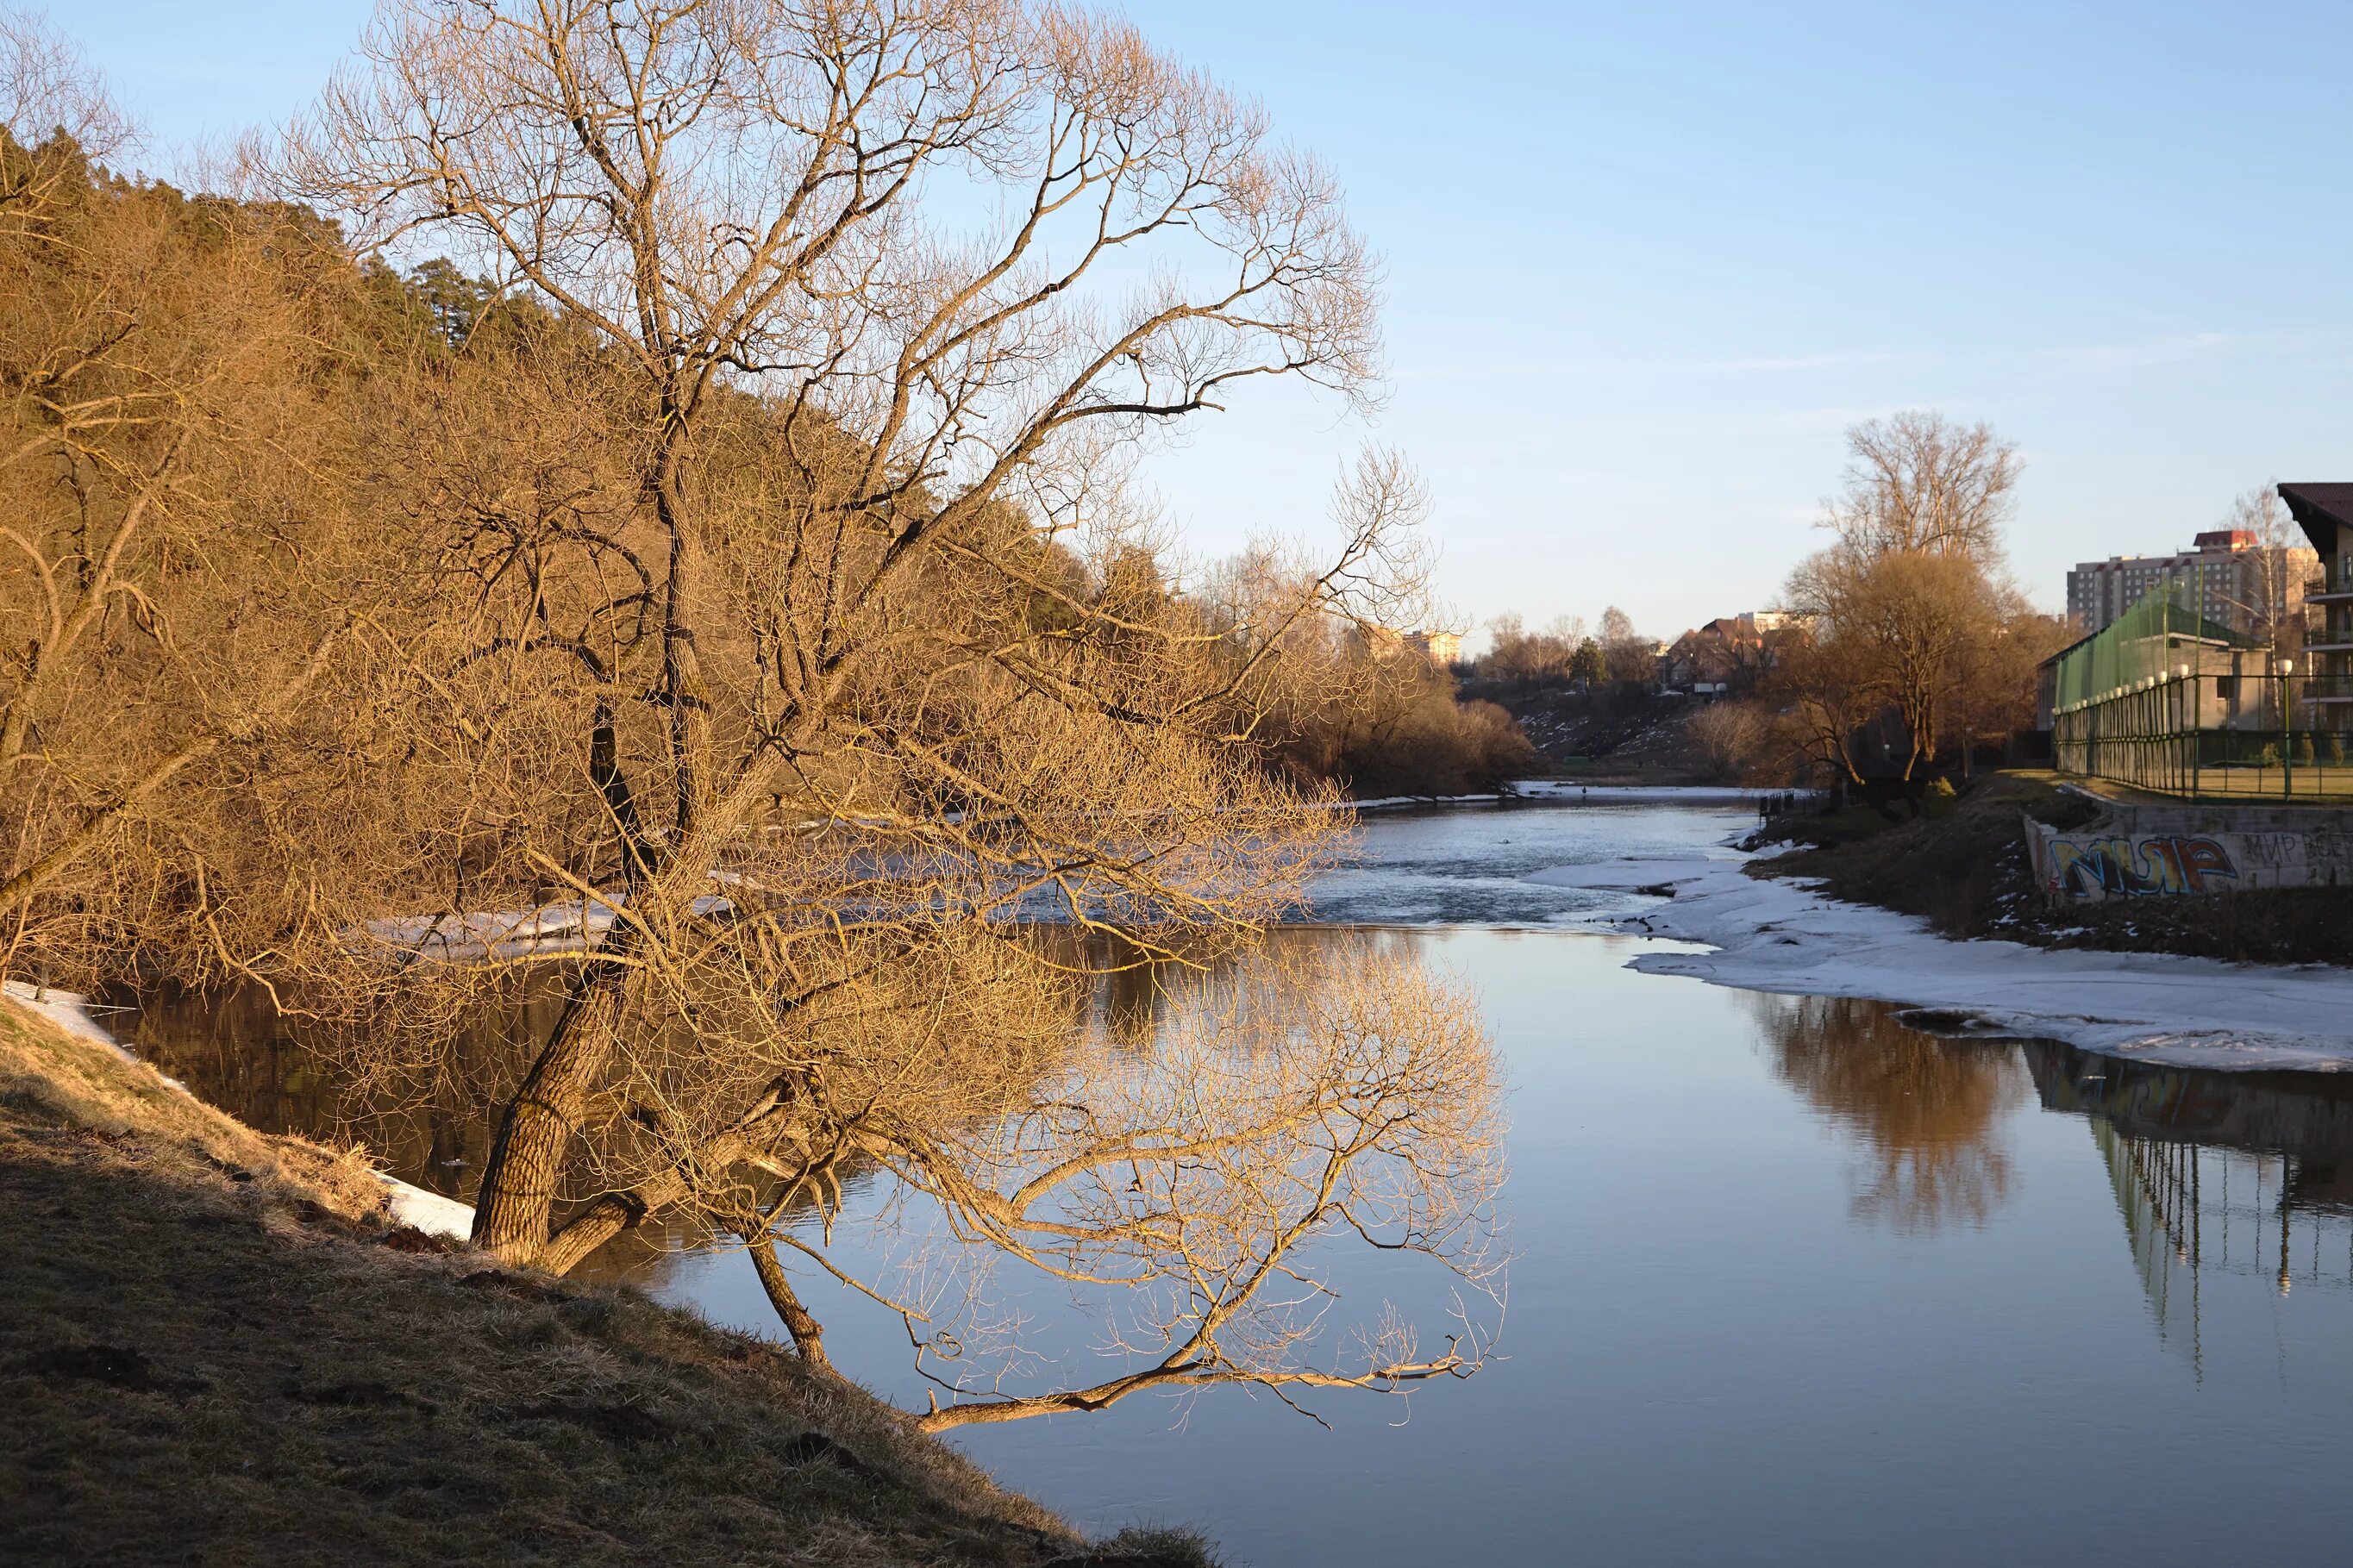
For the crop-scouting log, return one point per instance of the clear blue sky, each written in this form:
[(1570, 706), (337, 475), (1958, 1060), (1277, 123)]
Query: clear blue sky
[(1646, 262)]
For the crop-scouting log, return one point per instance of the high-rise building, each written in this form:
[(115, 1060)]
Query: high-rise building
[(2225, 575)]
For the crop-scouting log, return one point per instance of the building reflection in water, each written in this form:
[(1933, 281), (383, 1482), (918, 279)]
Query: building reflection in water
[(1927, 1111), (2215, 1174)]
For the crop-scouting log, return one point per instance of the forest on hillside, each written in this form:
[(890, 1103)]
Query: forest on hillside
[(713, 599)]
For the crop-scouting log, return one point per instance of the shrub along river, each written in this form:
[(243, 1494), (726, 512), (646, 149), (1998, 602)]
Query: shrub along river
[(1792, 1282)]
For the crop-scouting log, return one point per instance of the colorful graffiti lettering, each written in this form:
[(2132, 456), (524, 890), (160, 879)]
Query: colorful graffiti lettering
[(2138, 868)]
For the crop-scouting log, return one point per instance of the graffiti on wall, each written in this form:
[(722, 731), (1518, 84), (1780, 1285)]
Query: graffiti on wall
[(2131, 859), (2138, 868)]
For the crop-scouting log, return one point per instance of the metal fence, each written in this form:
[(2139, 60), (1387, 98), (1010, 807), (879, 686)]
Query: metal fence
[(2166, 699), (2263, 741)]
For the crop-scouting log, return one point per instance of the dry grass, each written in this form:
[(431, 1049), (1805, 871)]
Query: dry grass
[(214, 1348), (82, 1083)]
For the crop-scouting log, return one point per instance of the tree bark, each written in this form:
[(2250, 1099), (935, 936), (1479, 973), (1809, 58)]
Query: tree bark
[(808, 1335), (517, 1194)]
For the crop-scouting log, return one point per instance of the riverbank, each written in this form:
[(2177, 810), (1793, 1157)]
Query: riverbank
[(1788, 935), (1963, 866), (220, 1346)]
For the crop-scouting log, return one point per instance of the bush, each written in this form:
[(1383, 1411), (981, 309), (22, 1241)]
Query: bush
[(1735, 737), (2303, 750), (2269, 757)]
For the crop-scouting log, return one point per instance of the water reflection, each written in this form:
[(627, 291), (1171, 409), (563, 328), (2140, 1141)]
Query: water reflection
[(1928, 1112), (1963, 1214), (2215, 1174), (287, 1073)]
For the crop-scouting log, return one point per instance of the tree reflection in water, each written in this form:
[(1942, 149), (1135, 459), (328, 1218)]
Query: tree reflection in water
[(1185, 1146), (1926, 1110)]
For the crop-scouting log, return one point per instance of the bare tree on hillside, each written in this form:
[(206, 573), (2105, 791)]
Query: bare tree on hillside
[(787, 627), (168, 405), (1625, 652), (55, 114)]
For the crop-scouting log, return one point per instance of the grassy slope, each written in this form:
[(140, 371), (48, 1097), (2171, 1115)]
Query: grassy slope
[(216, 1348), (1963, 866)]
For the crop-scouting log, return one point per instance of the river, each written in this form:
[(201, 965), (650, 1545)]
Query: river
[(1792, 1282)]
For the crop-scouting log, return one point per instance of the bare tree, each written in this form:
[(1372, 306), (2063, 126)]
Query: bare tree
[(56, 117), (2279, 561), (785, 646), (1917, 481), (1738, 739), (1897, 624), (1926, 648), (1624, 651)]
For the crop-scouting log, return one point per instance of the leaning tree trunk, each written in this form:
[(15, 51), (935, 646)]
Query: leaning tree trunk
[(808, 1335), (514, 1206)]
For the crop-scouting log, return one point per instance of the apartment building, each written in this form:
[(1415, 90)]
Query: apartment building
[(2225, 575)]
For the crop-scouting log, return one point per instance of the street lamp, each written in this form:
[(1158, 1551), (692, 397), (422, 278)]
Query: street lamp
[(2196, 736), (2288, 731)]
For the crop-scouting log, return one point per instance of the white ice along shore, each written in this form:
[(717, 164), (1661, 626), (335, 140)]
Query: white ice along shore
[(429, 1212), (1781, 935), (1565, 791)]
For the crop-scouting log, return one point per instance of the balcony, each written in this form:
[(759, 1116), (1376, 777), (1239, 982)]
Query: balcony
[(2328, 634), (2316, 591)]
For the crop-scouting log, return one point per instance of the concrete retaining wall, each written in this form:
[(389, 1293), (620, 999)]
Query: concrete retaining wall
[(2156, 852), (2144, 851)]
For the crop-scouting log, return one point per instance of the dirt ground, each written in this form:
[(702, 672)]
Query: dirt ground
[(211, 1358)]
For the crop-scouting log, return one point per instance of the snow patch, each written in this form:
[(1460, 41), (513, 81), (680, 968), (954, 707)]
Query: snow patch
[(70, 1011), (429, 1212), (1784, 936)]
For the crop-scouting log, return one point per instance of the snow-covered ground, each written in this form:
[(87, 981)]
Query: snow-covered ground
[(429, 1212), (1780, 935)]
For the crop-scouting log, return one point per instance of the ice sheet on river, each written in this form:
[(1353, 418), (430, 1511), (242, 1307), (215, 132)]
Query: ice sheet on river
[(1780, 935)]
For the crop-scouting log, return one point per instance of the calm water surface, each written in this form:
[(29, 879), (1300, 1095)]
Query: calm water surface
[(1793, 1283)]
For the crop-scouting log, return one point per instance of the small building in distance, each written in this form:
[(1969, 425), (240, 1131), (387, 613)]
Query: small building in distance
[(1726, 653), (2232, 577), (1440, 649), (1774, 620)]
